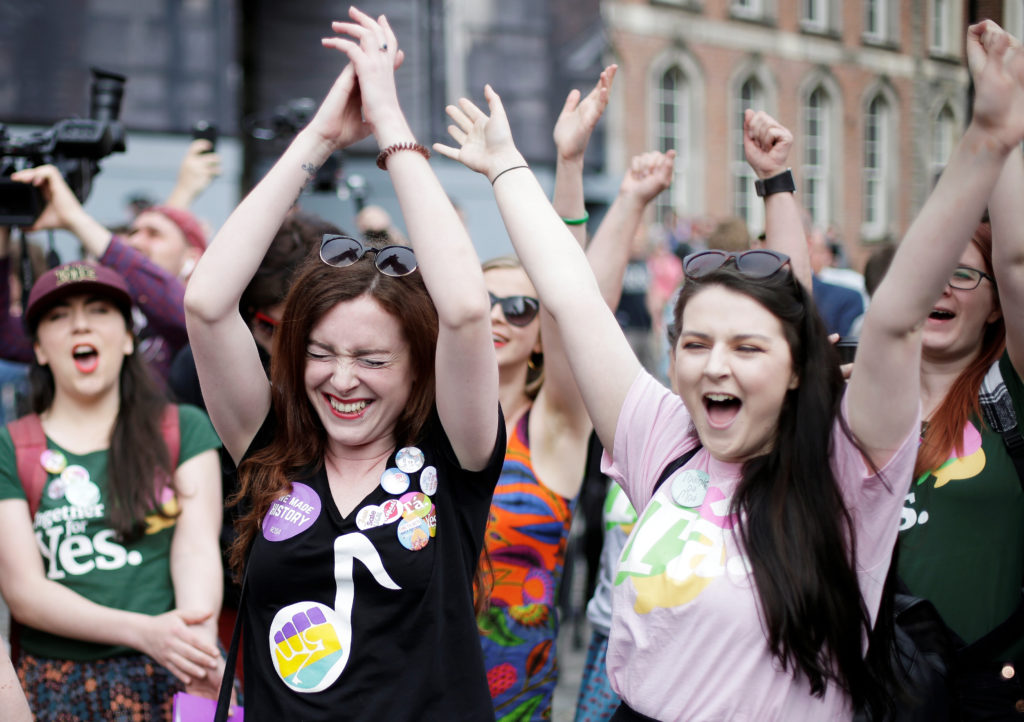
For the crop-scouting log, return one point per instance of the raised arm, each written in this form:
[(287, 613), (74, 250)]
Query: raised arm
[(602, 362), (572, 133), (649, 174), (766, 144), (1006, 211), (234, 383), (157, 292), (883, 398), (198, 169), (466, 368)]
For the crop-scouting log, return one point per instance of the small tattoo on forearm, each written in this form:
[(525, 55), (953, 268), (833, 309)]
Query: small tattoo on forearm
[(310, 171)]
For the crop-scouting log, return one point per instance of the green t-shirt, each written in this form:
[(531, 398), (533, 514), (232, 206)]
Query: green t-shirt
[(82, 552), (962, 532)]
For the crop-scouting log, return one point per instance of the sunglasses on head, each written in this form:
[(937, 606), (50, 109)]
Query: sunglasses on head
[(759, 263), (518, 310), (341, 251)]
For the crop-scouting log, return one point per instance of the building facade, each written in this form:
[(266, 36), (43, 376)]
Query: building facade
[(874, 91)]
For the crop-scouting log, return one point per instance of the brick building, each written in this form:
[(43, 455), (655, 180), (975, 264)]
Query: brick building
[(874, 89), (875, 92)]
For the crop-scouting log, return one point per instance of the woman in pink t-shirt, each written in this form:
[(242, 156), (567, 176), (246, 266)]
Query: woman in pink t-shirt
[(750, 582)]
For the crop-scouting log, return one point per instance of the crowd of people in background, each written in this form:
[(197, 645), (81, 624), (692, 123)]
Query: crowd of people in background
[(333, 476)]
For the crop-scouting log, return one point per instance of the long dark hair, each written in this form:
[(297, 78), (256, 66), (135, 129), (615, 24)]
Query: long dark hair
[(793, 524), (300, 442), (138, 462)]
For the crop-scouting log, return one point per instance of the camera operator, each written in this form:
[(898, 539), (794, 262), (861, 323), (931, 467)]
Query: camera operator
[(154, 261)]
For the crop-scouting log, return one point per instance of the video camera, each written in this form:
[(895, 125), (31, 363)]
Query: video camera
[(74, 145)]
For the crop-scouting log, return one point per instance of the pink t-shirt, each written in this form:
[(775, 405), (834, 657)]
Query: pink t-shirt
[(686, 639)]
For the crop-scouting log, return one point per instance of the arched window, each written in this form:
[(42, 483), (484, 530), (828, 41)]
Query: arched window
[(877, 167), (746, 204), (672, 130), (816, 171)]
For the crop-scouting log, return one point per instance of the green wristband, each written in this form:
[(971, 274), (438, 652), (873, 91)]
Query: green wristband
[(577, 221)]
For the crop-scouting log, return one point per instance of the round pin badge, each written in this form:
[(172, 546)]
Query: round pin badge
[(409, 459), (369, 517), (56, 489), (432, 520), (690, 488), (53, 461), (74, 474), (391, 510), (394, 481), (82, 492), (292, 514), (413, 533), (415, 505), (428, 481)]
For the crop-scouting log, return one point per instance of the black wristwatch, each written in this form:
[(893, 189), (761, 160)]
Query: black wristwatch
[(781, 183)]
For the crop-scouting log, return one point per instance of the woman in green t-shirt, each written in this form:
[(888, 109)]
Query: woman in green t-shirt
[(108, 538)]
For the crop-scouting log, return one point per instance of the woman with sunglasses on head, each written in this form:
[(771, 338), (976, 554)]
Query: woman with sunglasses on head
[(547, 426), (109, 515), (752, 578), (369, 458)]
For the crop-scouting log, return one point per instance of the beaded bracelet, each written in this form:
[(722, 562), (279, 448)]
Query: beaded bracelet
[(577, 221), (383, 156)]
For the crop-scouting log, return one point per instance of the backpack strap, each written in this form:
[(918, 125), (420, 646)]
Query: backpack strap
[(29, 443), (1014, 442), (170, 429), (674, 466)]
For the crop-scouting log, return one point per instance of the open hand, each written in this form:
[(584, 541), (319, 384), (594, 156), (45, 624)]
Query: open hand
[(766, 143), (579, 117), (485, 142)]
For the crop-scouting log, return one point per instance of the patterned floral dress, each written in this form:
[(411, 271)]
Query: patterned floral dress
[(527, 535)]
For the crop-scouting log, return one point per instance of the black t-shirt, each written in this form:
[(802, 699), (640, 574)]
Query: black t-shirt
[(371, 616)]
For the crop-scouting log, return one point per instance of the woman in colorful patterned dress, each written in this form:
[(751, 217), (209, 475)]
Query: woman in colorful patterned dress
[(548, 428)]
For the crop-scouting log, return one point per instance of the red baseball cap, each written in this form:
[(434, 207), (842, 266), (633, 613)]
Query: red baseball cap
[(74, 278), (186, 222)]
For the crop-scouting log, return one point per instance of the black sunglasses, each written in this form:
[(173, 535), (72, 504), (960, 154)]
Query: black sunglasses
[(518, 310), (341, 251), (759, 263)]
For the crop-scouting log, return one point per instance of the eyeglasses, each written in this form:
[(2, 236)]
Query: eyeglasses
[(341, 251), (759, 263), (265, 323), (518, 310), (967, 279)]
